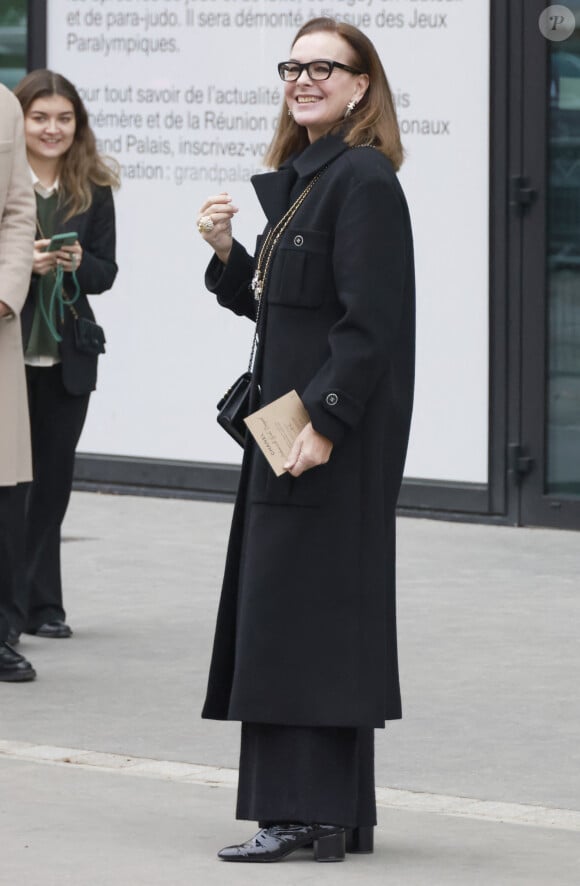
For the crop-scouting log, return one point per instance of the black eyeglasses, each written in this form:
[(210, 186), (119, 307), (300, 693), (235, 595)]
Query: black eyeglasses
[(320, 69)]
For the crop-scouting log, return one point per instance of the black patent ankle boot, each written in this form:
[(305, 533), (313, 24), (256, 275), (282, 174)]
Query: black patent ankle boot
[(275, 842)]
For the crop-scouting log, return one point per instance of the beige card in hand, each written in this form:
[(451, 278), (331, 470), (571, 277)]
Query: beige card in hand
[(276, 426)]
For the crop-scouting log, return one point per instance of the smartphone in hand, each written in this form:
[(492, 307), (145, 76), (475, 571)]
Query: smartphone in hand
[(60, 240)]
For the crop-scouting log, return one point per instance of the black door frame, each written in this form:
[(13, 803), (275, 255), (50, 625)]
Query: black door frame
[(514, 260), (37, 34), (535, 506)]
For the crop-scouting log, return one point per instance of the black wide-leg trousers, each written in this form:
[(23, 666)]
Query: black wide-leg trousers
[(322, 775), (56, 423), (11, 546)]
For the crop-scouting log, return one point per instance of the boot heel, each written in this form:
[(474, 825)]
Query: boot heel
[(360, 840), (330, 848)]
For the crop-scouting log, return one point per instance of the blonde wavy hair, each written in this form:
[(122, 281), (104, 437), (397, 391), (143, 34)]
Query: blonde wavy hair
[(82, 166), (373, 120)]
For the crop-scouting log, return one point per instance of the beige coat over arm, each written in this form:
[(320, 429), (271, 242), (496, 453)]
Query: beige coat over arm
[(17, 226)]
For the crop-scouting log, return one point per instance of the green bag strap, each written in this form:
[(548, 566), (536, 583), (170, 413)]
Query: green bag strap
[(57, 298)]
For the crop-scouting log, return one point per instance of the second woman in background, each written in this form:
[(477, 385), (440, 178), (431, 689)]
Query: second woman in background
[(73, 194)]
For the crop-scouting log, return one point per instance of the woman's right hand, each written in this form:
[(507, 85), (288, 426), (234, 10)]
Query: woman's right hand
[(42, 261), (220, 210)]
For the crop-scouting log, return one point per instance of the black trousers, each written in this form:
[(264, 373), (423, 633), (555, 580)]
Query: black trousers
[(11, 548), (311, 775), (56, 423)]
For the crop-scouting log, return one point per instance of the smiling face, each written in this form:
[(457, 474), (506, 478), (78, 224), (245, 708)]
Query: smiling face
[(319, 104), (49, 126)]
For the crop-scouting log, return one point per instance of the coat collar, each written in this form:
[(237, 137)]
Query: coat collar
[(273, 188), (318, 154)]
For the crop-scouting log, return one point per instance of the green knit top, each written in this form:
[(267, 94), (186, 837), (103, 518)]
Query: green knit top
[(41, 342)]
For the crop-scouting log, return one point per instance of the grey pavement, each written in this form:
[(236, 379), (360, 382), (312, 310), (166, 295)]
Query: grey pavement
[(490, 664)]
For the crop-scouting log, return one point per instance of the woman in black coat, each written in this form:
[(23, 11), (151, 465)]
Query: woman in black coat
[(73, 194), (305, 651)]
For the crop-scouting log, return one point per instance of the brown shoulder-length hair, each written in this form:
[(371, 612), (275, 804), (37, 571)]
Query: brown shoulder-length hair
[(373, 120), (82, 166)]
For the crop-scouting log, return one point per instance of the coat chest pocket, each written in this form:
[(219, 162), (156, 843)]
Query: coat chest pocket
[(299, 277)]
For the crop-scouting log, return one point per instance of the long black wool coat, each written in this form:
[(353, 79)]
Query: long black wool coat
[(96, 274), (306, 631)]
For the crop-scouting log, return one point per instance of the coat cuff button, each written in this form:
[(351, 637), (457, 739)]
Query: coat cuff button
[(332, 399)]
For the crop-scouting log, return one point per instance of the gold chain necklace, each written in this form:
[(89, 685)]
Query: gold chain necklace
[(267, 251)]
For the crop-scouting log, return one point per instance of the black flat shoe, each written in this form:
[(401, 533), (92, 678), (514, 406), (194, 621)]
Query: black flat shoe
[(14, 668), (279, 840), (56, 630), (360, 839)]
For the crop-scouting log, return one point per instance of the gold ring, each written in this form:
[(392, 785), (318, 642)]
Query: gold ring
[(205, 224)]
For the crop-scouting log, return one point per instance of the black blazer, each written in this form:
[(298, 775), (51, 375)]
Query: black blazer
[(96, 233)]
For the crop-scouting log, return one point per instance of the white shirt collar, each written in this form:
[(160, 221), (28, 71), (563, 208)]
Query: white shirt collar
[(40, 188)]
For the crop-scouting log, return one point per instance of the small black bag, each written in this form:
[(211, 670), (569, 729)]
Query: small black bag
[(89, 336), (234, 407)]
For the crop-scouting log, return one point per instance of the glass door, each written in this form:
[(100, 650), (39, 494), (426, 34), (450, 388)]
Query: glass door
[(563, 270), (550, 305)]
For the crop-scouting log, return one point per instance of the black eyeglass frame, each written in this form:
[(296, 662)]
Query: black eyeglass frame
[(306, 65)]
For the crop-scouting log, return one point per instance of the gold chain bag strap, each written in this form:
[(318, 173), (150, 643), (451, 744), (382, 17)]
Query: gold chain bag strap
[(234, 406)]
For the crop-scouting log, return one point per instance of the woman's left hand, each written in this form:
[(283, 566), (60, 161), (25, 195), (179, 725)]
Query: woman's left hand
[(310, 449), (70, 257)]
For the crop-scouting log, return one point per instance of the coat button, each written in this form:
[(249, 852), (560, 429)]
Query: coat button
[(298, 240), (332, 399)]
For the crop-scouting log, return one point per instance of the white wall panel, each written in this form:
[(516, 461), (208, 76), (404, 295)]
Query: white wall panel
[(164, 78)]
